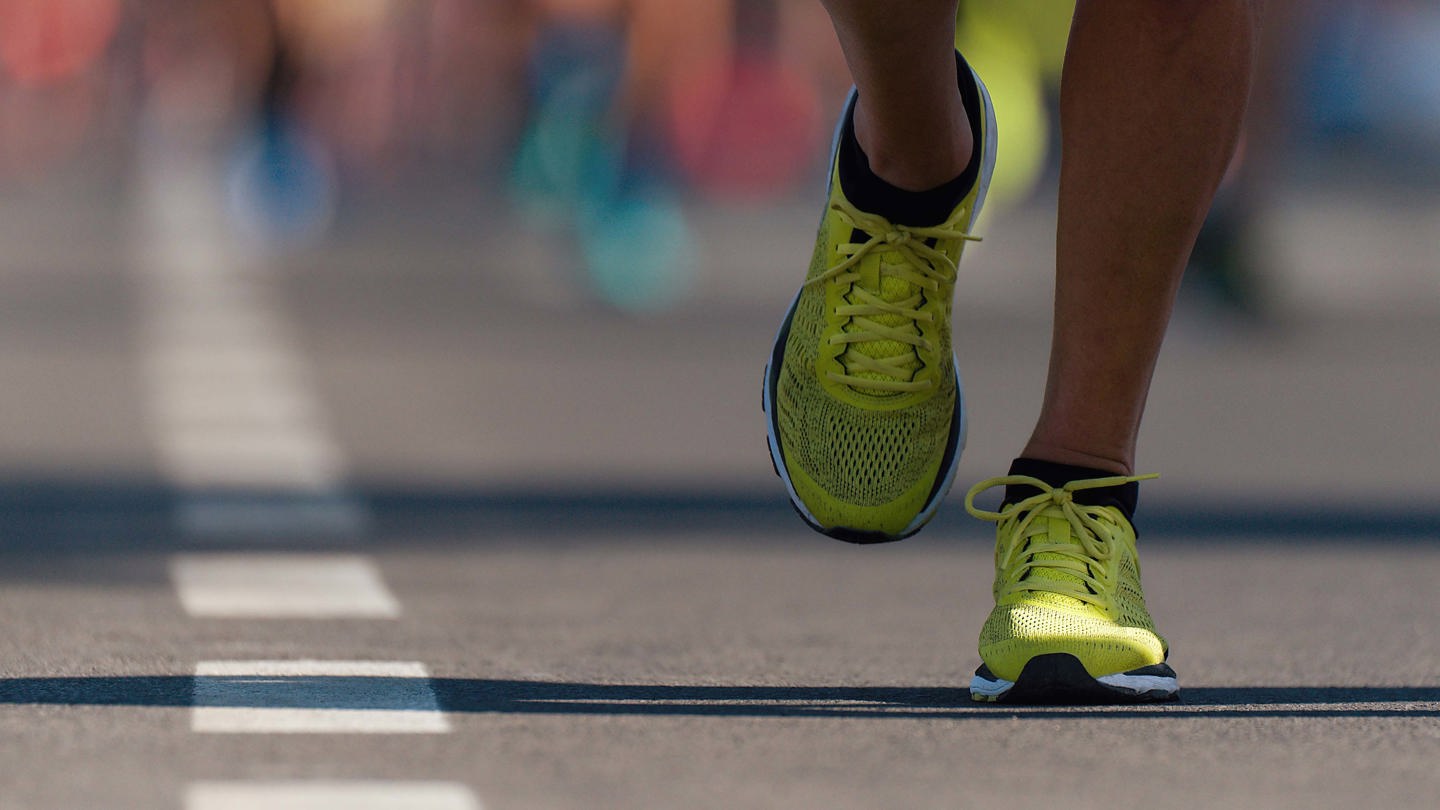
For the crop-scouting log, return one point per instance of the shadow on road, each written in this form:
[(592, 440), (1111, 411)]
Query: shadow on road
[(51, 516), (483, 696)]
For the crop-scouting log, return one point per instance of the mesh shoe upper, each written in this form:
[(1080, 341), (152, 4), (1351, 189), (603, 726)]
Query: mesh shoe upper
[(862, 394), (859, 447), (866, 395), (1067, 580)]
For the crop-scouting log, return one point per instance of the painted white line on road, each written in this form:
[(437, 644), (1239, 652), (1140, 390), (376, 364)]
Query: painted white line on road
[(166, 324), (254, 474), (256, 459), (261, 473), (233, 413), (315, 697), (281, 517), (369, 795), (256, 364), (209, 334), (273, 586), (290, 445), (197, 282), (220, 296), (195, 260), (189, 406), (203, 334)]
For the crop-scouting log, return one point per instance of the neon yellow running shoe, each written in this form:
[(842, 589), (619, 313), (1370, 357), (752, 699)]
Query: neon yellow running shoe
[(862, 397), (1069, 624)]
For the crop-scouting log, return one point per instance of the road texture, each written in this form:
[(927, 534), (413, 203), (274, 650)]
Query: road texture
[(538, 560)]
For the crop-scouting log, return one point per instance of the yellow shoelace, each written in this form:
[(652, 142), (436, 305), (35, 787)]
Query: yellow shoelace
[(1024, 547), (920, 264)]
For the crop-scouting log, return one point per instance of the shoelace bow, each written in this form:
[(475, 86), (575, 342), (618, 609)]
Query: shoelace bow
[(1093, 528), (922, 265)]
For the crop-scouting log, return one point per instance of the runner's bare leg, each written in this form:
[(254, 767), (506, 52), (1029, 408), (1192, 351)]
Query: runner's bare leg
[(1152, 99), (909, 120)]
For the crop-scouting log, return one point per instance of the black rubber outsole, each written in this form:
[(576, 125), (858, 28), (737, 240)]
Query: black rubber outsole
[(1060, 679)]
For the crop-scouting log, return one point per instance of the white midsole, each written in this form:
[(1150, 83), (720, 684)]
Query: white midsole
[(1137, 684), (988, 688), (1141, 683)]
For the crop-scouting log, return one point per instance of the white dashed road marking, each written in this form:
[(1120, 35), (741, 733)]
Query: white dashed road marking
[(257, 457), (277, 586), (330, 796), (328, 515), (315, 697), (196, 404), (239, 431), (232, 406)]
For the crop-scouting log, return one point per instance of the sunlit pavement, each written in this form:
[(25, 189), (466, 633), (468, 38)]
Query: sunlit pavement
[(504, 555)]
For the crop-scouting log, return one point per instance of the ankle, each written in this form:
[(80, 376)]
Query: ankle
[(917, 158), (1112, 461)]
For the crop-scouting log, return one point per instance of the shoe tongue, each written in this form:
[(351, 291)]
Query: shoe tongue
[(893, 290), (1058, 532)]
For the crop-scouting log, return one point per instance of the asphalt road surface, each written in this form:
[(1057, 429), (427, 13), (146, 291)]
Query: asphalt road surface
[(352, 530)]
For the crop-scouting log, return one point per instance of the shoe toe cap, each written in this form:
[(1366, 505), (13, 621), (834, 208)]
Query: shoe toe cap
[(890, 520), (1017, 633)]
